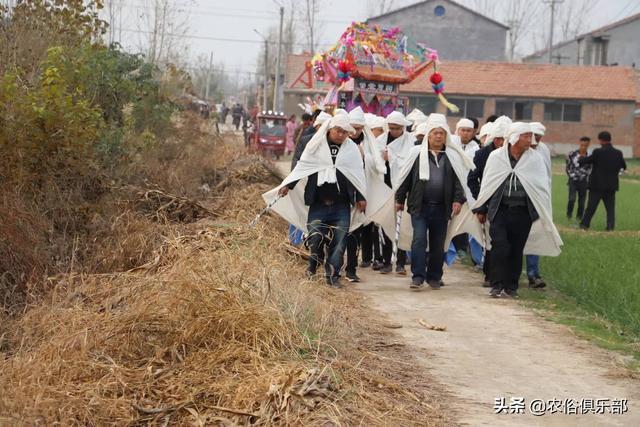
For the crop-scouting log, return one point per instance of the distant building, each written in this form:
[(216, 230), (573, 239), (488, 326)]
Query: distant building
[(571, 101), (457, 32), (614, 44)]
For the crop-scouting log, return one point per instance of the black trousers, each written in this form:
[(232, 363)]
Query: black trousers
[(609, 200), (486, 266), (577, 189), (370, 243), (353, 242), (387, 253), (461, 242), (509, 232)]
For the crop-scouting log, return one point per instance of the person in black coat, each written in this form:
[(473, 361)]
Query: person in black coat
[(607, 163), (474, 179), (430, 203)]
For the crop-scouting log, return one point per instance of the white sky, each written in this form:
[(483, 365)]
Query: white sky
[(236, 20)]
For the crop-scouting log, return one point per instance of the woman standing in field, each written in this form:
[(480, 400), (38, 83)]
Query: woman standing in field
[(291, 131)]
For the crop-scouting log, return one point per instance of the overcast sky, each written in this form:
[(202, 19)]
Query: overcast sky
[(235, 20)]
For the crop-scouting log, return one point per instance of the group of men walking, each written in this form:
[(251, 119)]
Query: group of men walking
[(385, 186)]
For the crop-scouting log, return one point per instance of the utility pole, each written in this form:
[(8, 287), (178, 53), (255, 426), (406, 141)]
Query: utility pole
[(553, 13), (276, 88), (266, 70), (206, 88)]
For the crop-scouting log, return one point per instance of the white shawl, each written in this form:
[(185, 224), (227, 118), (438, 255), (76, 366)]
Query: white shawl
[(461, 165), (316, 158), (398, 150), (543, 237)]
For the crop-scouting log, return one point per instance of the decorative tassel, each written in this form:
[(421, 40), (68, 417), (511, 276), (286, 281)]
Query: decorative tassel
[(453, 108)]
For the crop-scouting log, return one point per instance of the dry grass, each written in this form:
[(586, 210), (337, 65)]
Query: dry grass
[(215, 327)]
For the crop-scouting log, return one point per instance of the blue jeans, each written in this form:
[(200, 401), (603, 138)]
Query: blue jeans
[(432, 224), (328, 225), (533, 266)]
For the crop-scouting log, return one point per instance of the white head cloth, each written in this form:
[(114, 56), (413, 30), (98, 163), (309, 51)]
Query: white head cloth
[(397, 118), (499, 129), (421, 129), (339, 111), (437, 121), (342, 121), (464, 123), (356, 117), (516, 129), (485, 129), (374, 121), (538, 129), (322, 117)]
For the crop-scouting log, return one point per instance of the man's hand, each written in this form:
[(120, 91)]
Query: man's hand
[(399, 206), (361, 205), (385, 155), (482, 218), (456, 208), (283, 191)]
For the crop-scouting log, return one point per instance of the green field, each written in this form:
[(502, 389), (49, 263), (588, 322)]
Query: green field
[(595, 282)]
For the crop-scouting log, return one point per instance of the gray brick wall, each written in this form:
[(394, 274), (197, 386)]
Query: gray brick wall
[(623, 48), (458, 35)]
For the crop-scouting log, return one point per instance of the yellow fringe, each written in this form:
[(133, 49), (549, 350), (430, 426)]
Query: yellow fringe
[(447, 104)]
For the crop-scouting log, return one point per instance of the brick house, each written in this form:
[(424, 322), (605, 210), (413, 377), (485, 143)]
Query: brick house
[(571, 101), (459, 33)]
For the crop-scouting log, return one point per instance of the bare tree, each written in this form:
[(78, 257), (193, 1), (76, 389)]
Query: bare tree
[(164, 25), (572, 17), (114, 12), (522, 17), (485, 7), (379, 7), (312, 26)]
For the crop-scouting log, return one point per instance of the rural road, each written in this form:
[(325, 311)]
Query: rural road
[(495, 349)]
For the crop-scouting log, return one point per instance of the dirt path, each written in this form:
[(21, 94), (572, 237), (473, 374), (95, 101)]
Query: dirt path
[(499, 349)]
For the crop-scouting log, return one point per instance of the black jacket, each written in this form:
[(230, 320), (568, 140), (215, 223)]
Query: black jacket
[(607, 163), (413, 187), (343, 183), (302, 144), (493, 204), (475, 176)]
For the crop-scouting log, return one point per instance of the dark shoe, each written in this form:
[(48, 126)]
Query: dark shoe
[(510, 293), (435, 284), (400, 270), (495, 292), (334, 282), (583, 227), (386, 269), (352, 277), (536, 283), (377, 265), (365, 264), (416, 284), (310, 274), (486, 284)]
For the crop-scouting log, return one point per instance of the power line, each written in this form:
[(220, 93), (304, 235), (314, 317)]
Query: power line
[(261, 15), (221, 39)]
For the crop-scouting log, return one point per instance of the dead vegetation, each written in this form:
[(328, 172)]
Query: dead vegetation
[(188, 316)]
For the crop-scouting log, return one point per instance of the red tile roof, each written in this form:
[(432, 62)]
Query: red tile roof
[(516, 80)]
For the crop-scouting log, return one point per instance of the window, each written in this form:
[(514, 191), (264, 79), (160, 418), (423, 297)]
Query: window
[(523, 110), (426, 104), (562, 111), (469, 107), (518, 110), (475, 108), (572, 113), (439, 11)]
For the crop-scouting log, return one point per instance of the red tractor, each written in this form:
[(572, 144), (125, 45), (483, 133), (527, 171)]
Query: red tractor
[(269, 134)]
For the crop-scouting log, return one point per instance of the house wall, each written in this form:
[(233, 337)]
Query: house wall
[(458, 35)]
